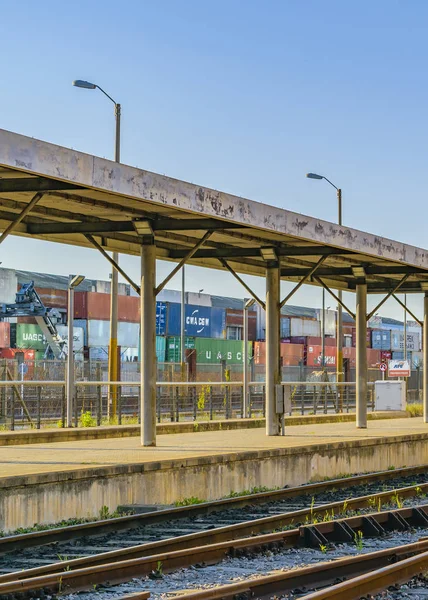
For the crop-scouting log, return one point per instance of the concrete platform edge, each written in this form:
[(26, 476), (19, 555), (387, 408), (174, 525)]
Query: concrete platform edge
[(46, 436)]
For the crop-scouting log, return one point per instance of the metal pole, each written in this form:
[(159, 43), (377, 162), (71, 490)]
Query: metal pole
[(339, 324), (70, 359), (405, 327), (182, 325), (148, 344), (361, 375), (113, 366), (273, 375), (323, 332), (245, 364), (425, 358)]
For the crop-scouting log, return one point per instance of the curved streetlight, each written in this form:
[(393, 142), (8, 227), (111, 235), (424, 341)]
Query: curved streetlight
[(339, 334), (113, 354), (87, 85)]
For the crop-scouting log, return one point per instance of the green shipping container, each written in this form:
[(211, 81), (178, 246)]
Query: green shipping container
[(160, 349), (173, 347), (29, 336), (214, 351)]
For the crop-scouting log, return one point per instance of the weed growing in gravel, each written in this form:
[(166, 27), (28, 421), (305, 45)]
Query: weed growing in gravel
[(395, 499), (358, 537), (420, 493), (106, 514), (323, 548), (188, 501), (255, 490)]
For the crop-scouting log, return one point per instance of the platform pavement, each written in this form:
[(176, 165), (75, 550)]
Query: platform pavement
[(47, 435), (46, 483), (75, 455)]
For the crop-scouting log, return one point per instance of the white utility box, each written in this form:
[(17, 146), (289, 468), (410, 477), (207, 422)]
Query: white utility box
[(390, 395)]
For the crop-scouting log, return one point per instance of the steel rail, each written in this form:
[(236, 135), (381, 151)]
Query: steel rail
[(216, 543), (322, 573), (375, 581), (60, 534), (64, 580)]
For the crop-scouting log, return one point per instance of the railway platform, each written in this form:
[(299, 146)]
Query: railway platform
[(45, 483)]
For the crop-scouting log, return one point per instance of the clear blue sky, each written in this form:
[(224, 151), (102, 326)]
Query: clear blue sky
[(242, 96)]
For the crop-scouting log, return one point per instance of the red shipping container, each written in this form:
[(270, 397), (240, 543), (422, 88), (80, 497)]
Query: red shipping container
[(317, 341), (373, 358), (235, 318), (10, 353), (96, 306), (314, 356), (368, 340), (4, 335)]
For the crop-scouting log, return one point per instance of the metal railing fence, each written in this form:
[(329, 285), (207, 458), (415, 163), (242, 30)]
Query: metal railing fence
[(43, 403)]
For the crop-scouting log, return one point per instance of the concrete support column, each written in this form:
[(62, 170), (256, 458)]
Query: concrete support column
[(148, 344), (273, 373), (425, 358), (361, 375)]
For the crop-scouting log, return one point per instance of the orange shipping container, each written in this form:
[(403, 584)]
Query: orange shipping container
[(96, 306), (373, 357), (53, 298), (291, 354), (4, 335)]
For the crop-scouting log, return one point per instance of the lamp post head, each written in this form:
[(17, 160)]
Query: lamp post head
[(84, 84), (314, 176), (75, 281)]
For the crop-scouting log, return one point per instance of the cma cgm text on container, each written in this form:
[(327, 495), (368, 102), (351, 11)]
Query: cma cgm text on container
[(199, 321)]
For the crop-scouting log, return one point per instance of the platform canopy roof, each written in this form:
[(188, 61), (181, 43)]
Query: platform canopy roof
[(79, 194)]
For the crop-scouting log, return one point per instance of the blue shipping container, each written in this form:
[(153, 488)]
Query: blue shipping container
[(381, 340), (160, 318), (398, 355), (285, 327), (200, 321)]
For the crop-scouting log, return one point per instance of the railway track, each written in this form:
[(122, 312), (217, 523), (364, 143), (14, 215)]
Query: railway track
[(208, 544), (226, 511), (344, 530)]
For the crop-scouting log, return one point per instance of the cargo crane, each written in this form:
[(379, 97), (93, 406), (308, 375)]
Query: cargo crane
[(29, 304)]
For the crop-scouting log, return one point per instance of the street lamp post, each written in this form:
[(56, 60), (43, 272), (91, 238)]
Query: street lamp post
[(72, 285), (339, 323), (248, 302), (112, 355)]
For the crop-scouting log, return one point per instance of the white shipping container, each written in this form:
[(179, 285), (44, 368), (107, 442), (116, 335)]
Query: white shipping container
[(397, 341), (261, 322), (417, 360), (78, 337), (98, 353), (304, 327), (8, 286), (330, 321), (128, 334)]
